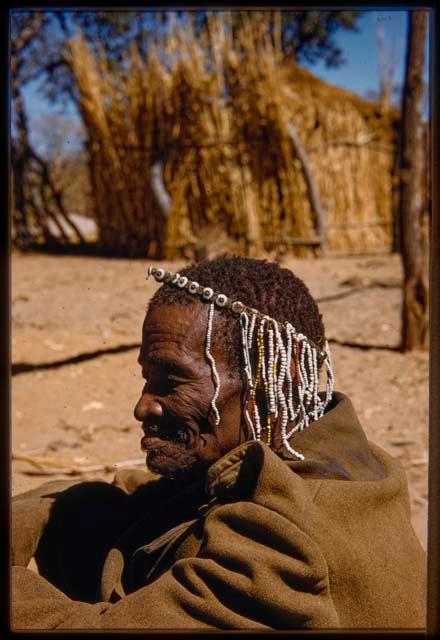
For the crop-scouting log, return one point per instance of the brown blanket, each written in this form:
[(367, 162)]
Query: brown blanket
[(265, 543)]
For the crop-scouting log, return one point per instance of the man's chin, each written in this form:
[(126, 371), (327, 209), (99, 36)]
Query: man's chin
[(170, 459)]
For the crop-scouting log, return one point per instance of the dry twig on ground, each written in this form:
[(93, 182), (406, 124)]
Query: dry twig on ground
[(54, 466)]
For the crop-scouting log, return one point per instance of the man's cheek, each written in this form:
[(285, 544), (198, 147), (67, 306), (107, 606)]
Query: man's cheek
[(190, 404)]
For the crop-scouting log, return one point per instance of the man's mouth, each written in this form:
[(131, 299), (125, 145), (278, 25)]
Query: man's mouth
[(171, 452), (155, 433)]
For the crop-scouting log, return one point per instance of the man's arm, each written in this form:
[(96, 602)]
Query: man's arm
[(69, 527), (268, 574), (30, 513), (256, 569)]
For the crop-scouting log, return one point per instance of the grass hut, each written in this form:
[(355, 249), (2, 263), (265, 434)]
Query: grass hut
[(194, 141), (351, 145)]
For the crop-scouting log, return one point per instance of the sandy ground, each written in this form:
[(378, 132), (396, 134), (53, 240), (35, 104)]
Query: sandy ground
[(81, 412)]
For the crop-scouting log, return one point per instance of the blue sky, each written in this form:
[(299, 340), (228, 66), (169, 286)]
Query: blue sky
[(360, 73)]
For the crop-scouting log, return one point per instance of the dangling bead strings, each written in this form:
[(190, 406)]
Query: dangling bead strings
[(263, 368), (291, 449), (289, 372), (300, 418), (211, 360), (244, 323), (330, 376), (260, 376), (251, 330), (255, 410), (284, 413), (285, 372), (317, 404), (275, 373), (271, 373), (294, 360), (277, 353)]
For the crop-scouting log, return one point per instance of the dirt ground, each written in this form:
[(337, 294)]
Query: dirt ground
[(86, 313)]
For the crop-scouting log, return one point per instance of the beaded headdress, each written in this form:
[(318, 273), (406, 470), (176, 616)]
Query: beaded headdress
[(281, 366)]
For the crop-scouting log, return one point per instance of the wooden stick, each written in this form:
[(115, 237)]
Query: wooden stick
[(294, 241), (159, 190), (360, 224), (55, 466), (318, 210)]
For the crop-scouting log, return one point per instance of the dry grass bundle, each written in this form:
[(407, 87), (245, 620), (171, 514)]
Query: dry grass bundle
[(209, 116)]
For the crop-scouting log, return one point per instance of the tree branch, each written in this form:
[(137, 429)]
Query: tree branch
[(25, 38)]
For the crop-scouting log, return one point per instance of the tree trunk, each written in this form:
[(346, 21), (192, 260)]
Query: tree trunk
[(415, 294), (22, 154), (18, 150)]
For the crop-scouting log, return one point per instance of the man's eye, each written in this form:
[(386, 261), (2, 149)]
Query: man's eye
[(162, 380), (172, 381)]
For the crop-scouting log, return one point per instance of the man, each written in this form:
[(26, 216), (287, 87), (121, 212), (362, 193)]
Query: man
[(268, 508)]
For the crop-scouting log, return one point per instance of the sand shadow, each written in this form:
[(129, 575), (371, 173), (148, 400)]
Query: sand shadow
[(25, 367)]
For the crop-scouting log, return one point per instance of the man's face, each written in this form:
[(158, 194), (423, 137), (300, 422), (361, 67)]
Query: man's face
[(180, 432)]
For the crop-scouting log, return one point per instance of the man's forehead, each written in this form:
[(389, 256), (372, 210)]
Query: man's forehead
[(183, 325)]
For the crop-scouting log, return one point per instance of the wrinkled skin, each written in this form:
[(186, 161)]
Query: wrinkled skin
[(181, 438)]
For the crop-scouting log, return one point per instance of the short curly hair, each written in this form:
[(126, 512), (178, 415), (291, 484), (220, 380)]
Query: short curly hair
[(260, 284)]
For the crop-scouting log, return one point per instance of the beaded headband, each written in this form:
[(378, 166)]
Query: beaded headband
[(272, 352), (207, 294)]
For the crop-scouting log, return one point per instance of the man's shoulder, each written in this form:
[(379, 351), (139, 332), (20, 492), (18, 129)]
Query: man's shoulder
[(131, 479)]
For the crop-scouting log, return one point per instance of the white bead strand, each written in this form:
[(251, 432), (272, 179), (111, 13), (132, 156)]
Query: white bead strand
[(270, 372), (281, 377), (211, 360), (330, 375)]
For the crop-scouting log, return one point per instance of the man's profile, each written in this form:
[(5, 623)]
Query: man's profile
[(264, 507)]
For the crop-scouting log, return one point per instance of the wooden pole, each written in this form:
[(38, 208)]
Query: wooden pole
[(318, 211), (433, 578), (415, 294), (158, 187), (163, 199)]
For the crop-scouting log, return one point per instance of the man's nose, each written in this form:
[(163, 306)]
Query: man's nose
[(147, 406)]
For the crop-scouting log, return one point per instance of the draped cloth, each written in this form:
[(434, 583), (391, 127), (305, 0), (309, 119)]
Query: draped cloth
[(263, 542)]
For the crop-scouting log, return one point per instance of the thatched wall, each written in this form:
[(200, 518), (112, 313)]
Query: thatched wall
[(351, 145), (214, 112)]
